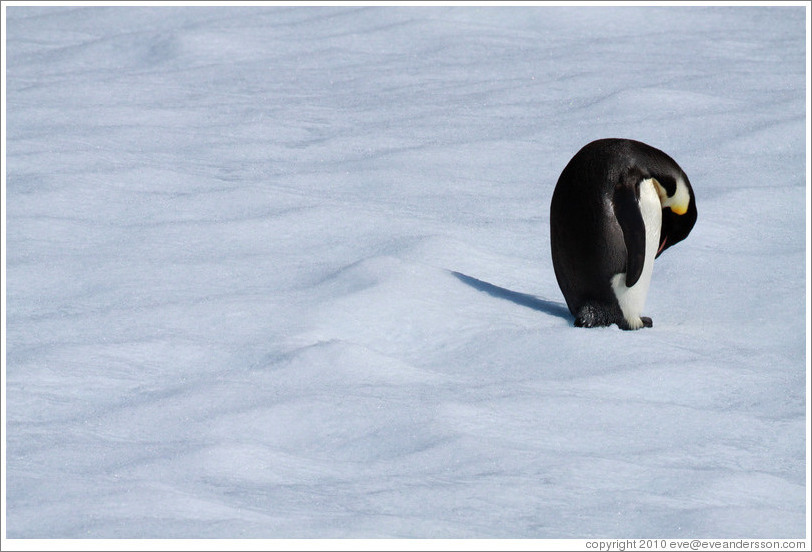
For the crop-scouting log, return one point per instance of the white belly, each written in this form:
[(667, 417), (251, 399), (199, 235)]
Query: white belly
[(633, 299)]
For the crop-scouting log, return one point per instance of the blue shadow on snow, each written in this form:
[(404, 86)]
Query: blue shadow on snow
[(524, 299)]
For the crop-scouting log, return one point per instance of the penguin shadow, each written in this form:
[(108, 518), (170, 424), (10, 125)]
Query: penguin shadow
[(524, 299)]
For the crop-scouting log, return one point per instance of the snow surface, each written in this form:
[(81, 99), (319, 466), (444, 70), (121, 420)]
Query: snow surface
[(285, 272)]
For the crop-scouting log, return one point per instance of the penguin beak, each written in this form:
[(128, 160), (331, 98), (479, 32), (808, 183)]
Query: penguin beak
[(662, 246)]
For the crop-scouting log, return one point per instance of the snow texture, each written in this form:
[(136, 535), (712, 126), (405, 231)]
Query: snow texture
[(280, 271)]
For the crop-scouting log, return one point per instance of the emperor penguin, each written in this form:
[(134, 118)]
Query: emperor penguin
[(617, 206)]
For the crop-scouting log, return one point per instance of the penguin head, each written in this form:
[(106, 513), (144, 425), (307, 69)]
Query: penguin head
[(679, 209)]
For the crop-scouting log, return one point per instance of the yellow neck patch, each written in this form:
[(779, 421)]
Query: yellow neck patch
[(678, 203)]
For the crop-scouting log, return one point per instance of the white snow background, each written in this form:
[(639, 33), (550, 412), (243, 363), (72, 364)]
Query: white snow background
[(284, 272)]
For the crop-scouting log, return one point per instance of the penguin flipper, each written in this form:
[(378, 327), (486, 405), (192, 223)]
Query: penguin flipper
[(627, 213)]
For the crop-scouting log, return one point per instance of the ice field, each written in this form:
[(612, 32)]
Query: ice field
[(284, 272)]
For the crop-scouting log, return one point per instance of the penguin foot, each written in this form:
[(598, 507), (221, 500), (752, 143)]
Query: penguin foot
[(590, 316), (642, 322), (584, 322)]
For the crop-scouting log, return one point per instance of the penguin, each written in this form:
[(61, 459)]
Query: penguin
[(616, 207)]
